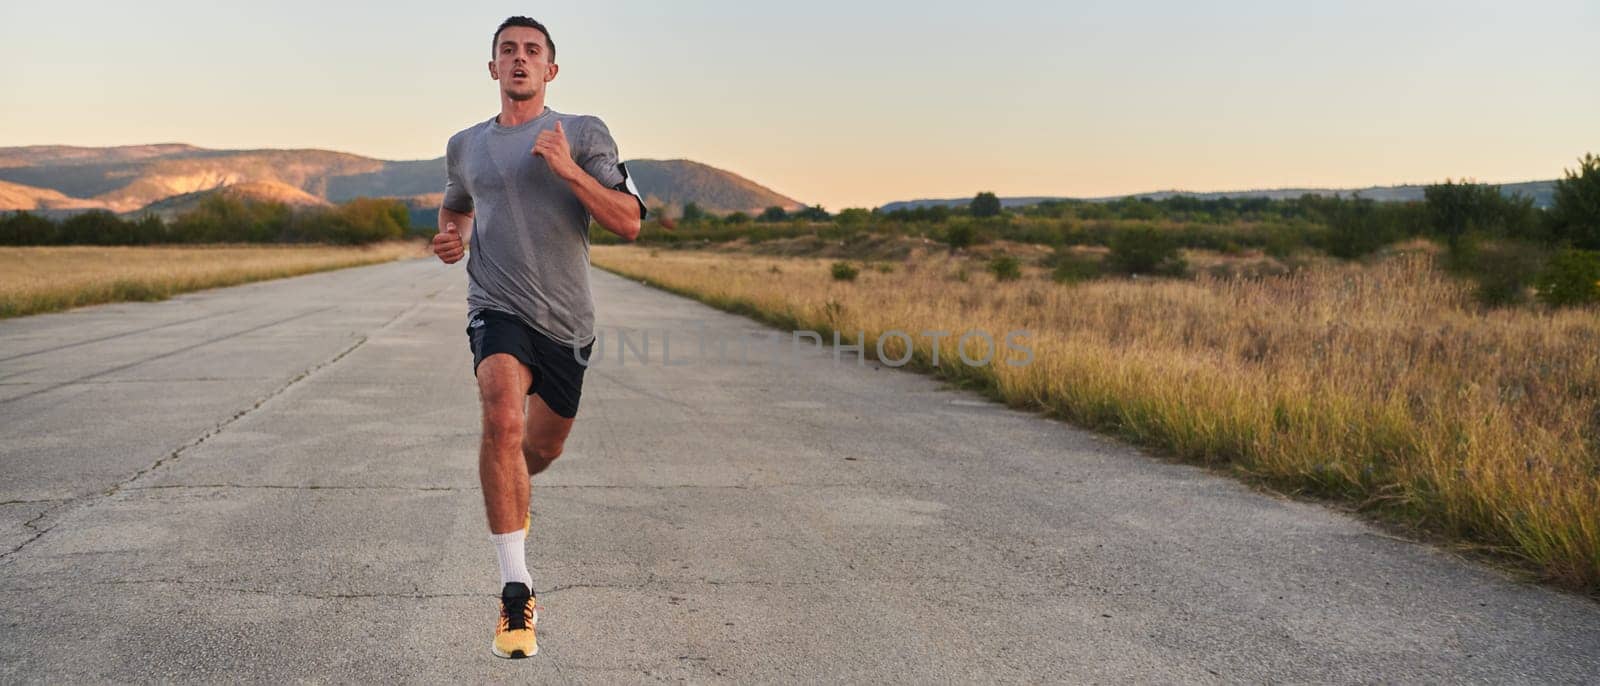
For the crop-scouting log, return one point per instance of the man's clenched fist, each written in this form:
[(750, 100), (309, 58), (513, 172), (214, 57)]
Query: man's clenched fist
[(447, 244), (552, 146)]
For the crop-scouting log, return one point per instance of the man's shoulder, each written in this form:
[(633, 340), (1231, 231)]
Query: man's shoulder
[(459, 136), (570, 117), (581, 123)]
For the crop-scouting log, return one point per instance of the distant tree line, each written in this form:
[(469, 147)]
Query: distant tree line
[(694, 215), (1505, 243), (219, 219), (1451, 211)]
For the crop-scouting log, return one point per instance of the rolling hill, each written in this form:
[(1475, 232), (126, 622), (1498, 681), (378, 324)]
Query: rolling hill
[(675, 182), (161, 178), (261, 191), (17, 196)]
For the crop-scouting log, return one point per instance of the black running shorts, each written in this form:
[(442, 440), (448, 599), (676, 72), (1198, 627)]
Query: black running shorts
[(557, 374)]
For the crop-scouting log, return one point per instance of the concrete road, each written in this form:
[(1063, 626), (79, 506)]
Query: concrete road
[(278, 482)]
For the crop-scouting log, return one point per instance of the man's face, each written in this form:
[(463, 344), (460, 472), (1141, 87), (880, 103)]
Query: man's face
[(521, 62)]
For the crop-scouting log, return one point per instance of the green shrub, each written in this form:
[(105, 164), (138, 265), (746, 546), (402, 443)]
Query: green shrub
[(23, 228), (1280, 242), (693, 214), (1005, 268), (814, 213), (1456, 209), (220, 218), (854, 215), (1146, 250), (367, 220), (1070, 267), (960, 236), (934, 214), (1503, 270), (1571, 279), (1141, 209), (844, 271), (1575, 218), (984, 204), (1358, 228)]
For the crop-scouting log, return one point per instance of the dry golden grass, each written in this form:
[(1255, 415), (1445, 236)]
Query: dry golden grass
[(1380, 385), (44, 279)]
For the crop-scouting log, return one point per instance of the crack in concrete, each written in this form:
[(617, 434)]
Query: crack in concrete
[(181, 449), (203, 437), (32, 525), (220, 427)]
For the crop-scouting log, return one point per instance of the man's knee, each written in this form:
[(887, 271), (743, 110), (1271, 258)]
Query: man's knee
[(547, 451), (503, 425), (539, 456)]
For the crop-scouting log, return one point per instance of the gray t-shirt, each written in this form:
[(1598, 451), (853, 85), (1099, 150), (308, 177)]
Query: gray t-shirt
[(530, 237)]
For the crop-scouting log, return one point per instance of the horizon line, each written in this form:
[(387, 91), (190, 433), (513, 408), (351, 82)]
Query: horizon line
[(1041, 196)]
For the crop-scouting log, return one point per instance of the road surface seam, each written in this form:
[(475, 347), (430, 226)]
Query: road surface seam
[(34, 501), (32, 524), (306, 487), (57, 348), (107, 382), (652, 582), (253, 591), (640, 487), (169, 353)]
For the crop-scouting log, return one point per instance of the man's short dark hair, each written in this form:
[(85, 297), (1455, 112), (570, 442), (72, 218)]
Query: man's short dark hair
[(494, 45)]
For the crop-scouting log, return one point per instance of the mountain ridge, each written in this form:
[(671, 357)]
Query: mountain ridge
[(138, 178)]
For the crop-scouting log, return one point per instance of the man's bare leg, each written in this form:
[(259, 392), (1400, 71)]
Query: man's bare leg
[(502, 388), (545, 437)]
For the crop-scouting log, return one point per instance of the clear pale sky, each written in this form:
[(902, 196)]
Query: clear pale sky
[(855, 103)]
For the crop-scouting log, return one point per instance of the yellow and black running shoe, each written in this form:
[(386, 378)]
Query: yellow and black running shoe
[(519, 611)]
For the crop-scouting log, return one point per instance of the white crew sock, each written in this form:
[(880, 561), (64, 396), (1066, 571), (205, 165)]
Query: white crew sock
[(513, 557)]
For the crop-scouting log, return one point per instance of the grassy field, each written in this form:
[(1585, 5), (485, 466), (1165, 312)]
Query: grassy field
[(1378, 384), (45, 279)]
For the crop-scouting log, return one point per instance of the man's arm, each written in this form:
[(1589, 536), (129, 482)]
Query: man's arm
[(455, 225), (617, 211)]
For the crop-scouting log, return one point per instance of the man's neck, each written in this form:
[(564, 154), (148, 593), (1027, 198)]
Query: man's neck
[(516, 112)]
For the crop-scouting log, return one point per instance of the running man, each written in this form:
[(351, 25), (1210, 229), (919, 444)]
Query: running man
[(520, 189)]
